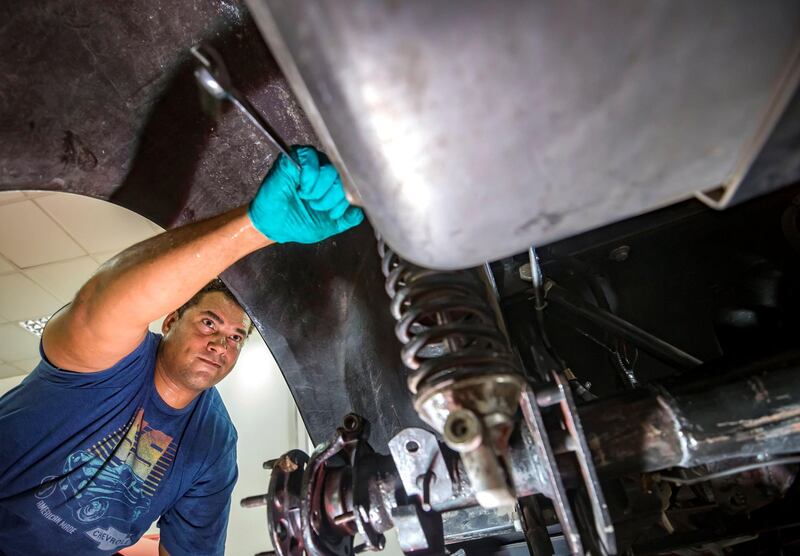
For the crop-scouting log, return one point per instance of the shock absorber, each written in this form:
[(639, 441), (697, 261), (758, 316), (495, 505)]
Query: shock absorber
[(464, 378)]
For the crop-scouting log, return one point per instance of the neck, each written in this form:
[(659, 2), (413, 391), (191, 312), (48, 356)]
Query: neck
[(173, 394)]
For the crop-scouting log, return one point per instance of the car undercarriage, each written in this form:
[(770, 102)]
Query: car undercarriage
[(571, 324)]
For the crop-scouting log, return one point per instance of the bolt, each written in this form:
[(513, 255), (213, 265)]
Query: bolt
[(462, 430), (255, 501), (549, 395), (620, 254), (525, 272), (352, 422), (344, 519), (284, 463)]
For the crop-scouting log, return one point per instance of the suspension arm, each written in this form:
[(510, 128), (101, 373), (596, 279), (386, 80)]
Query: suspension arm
[(750, 411)]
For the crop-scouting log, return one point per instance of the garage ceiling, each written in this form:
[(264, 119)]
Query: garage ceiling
[(50, 244)]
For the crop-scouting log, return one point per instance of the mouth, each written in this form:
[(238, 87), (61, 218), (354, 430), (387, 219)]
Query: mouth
[(210, 362)]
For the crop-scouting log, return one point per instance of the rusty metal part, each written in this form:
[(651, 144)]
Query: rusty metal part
[(338, 501), (713, 417), (461, 370), (678, 423), (556, 489), (479, 434), (313, 510), (418, 532), (254, 501), (284, 516), (462, 431), (476, 523), (360, 492), (421, 466), (345, 453), (344, 489), (603, 526), (744, 490)]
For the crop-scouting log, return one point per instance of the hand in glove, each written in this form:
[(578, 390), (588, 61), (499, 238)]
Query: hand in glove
[(305, 205)]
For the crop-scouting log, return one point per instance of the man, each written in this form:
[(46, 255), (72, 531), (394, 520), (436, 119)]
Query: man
[(118, 427)]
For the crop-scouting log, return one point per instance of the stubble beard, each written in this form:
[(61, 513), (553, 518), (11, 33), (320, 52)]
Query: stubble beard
[(196, 380)]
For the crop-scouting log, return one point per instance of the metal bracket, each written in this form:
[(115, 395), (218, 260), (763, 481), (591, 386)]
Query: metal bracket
[(558, 493), (421, 466), (559, 398), (283, 503), (602, 519)]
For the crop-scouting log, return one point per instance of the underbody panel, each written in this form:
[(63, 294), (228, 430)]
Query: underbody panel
[(538, 120)]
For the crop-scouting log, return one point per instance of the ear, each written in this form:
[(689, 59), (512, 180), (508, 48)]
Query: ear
[(169, 321)]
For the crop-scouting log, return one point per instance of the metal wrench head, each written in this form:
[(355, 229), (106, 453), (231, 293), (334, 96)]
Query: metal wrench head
[(213, 78), (209, 84), (213, 63)]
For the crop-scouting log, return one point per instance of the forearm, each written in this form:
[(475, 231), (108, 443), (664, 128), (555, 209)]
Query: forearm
[(158, 275)]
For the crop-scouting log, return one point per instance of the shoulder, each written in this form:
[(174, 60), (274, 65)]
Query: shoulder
[(123, 373)]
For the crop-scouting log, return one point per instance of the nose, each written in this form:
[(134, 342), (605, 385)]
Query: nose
[(218, 345)]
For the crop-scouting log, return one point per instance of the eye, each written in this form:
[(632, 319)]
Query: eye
[(208, 322), (237, 339)]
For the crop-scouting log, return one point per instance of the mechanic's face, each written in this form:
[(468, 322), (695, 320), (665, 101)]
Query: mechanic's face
[(200, 348)]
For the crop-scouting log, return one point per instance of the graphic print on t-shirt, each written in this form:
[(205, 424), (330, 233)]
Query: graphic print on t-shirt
[(115, 478)]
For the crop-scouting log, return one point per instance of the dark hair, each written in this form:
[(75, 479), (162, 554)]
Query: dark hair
[(215, 285)]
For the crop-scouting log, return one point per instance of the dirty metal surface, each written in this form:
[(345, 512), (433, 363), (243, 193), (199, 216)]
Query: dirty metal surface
[(98, 99), (473, 130), (718, 413)]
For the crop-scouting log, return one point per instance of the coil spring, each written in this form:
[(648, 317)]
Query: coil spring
[(444, 321)]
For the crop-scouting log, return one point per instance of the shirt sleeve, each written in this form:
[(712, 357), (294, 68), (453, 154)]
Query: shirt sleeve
[(198, 522), (121, 374)]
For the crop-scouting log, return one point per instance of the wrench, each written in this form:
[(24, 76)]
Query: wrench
[(214, 79)]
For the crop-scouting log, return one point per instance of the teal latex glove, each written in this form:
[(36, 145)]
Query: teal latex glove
[(306, 205)]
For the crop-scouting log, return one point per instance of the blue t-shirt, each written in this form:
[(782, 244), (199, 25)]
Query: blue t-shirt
[(89, 460)]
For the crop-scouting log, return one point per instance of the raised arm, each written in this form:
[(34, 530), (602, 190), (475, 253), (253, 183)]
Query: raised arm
[(111, 312)]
